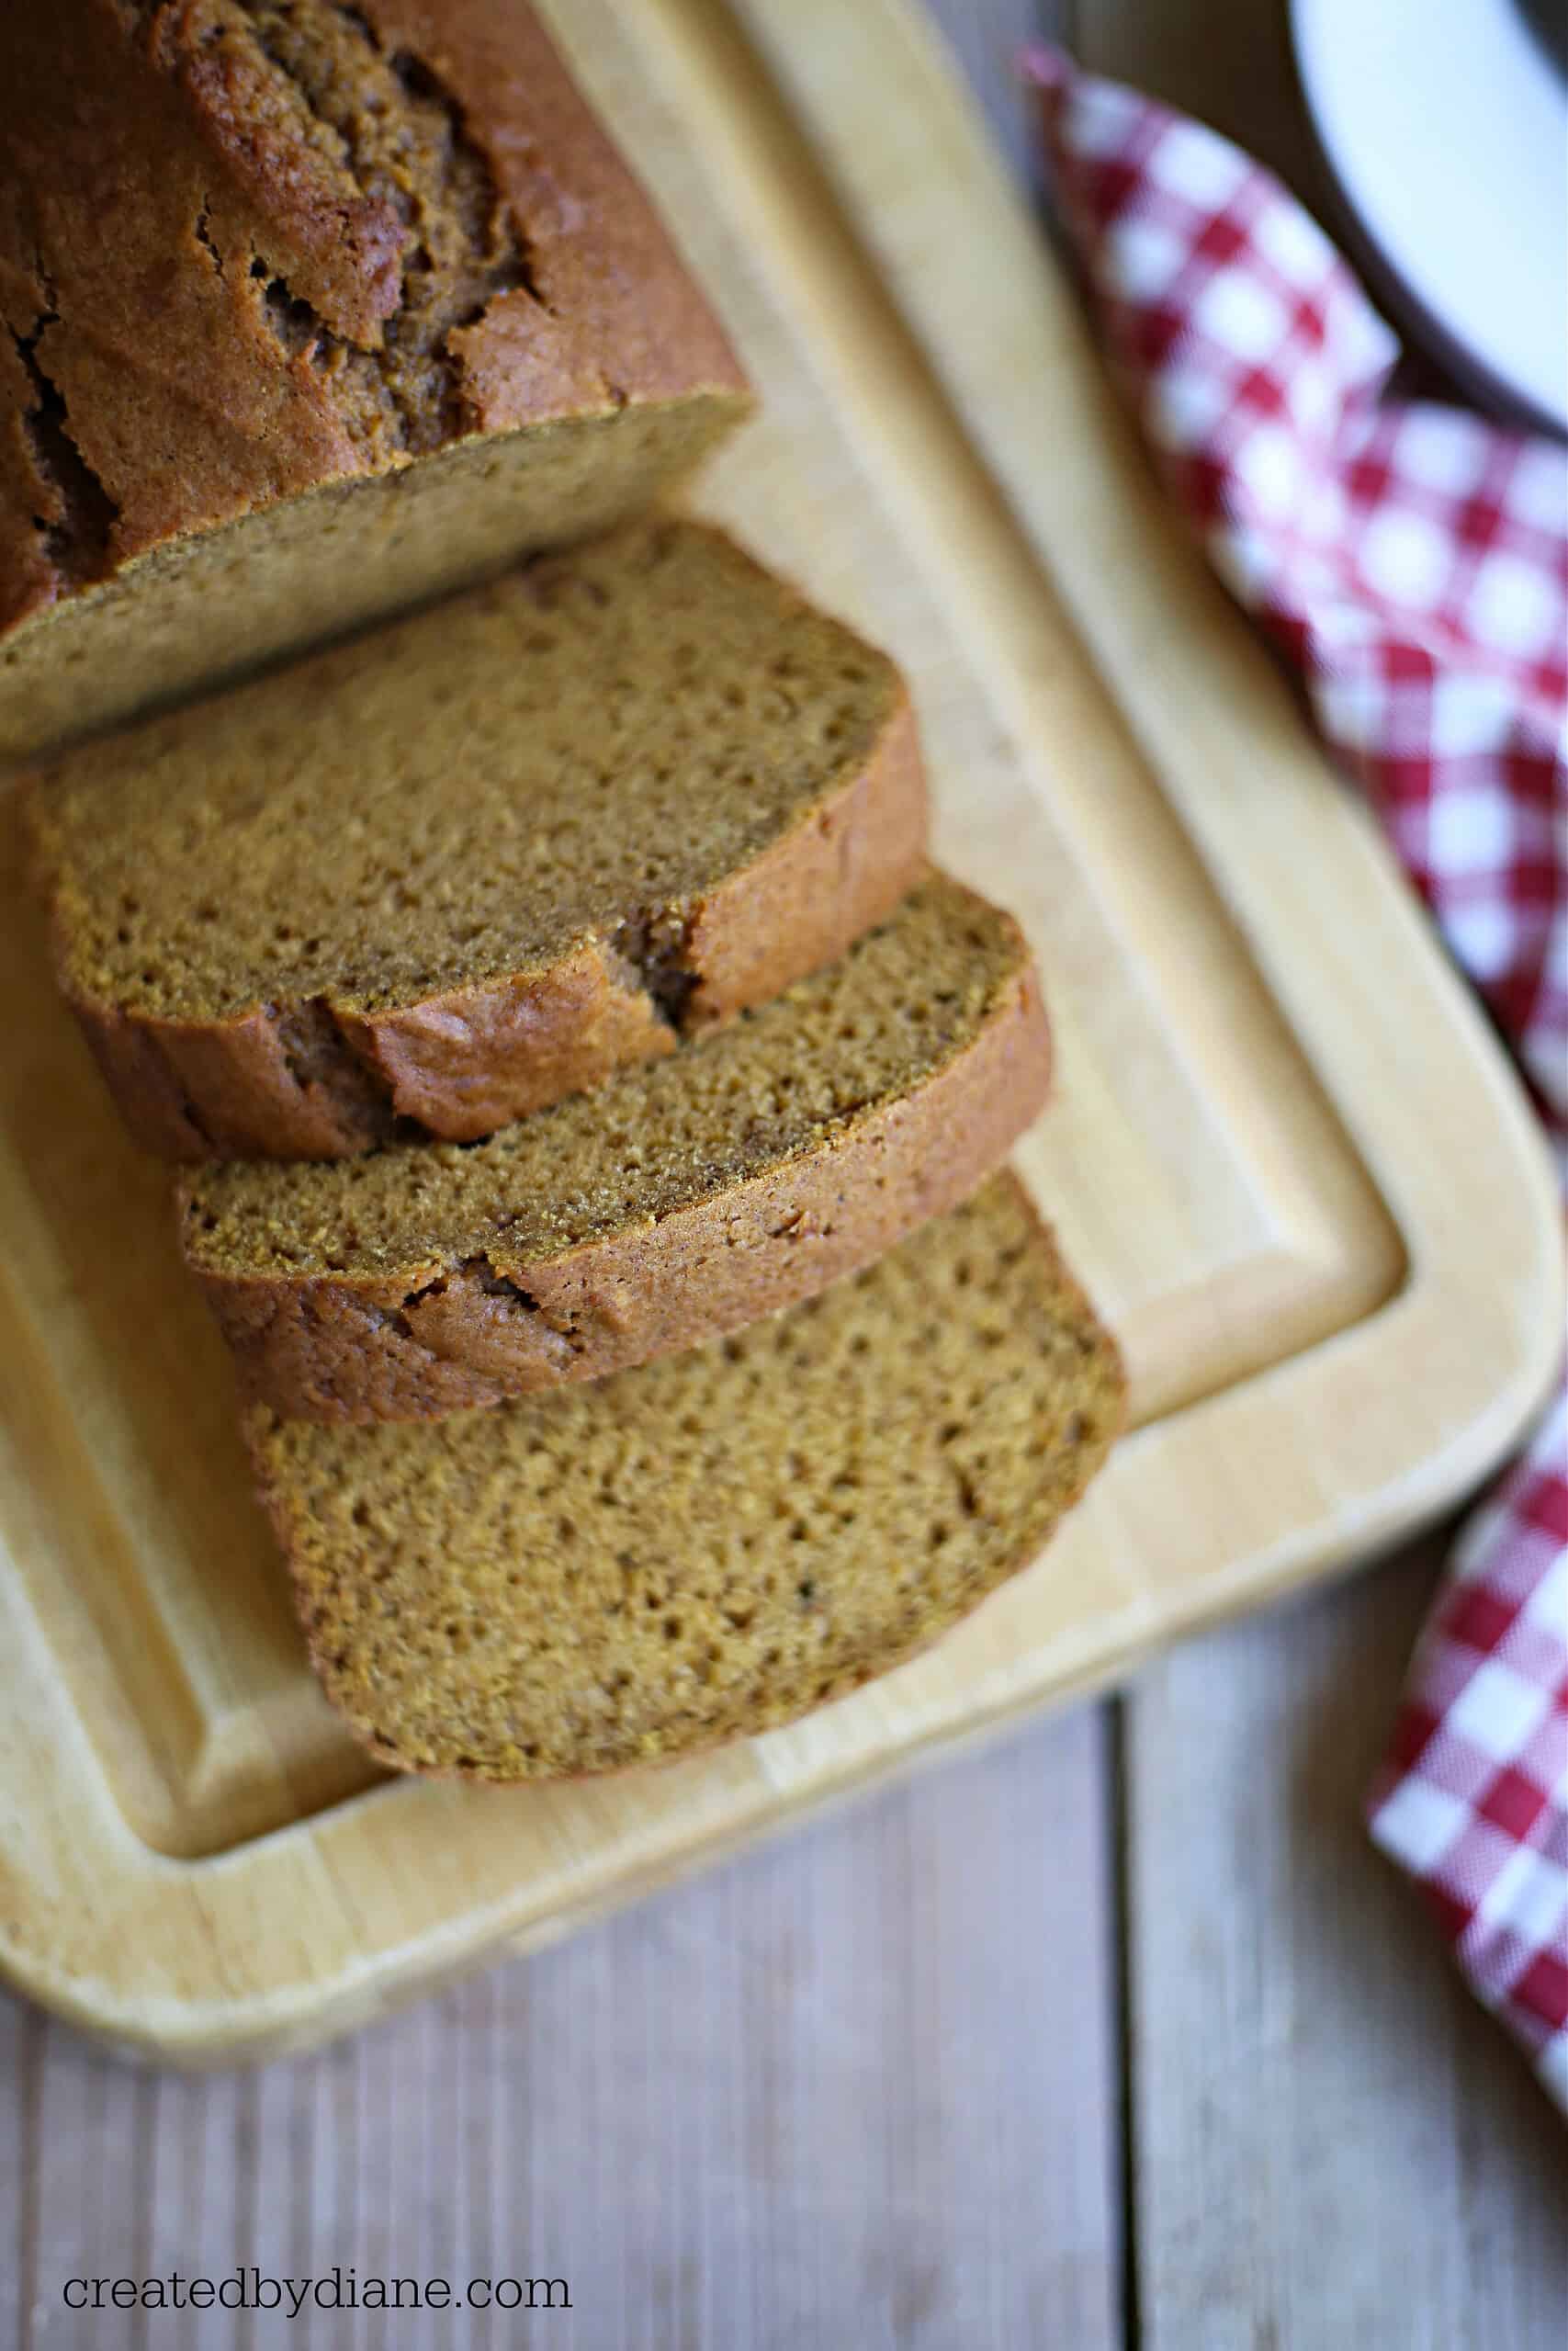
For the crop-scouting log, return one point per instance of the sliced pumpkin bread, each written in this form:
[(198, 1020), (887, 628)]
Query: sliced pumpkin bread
[(680, 1201), (713, 1544), (471, 863)]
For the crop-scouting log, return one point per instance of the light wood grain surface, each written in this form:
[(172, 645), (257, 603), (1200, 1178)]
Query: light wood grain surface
[(1117, 2034), (1283, 1150)]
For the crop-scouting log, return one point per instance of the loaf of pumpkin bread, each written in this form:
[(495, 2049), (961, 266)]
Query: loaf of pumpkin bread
[(308, 312)]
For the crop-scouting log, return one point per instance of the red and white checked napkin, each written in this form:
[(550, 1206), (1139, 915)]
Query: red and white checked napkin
[(1411, 560)]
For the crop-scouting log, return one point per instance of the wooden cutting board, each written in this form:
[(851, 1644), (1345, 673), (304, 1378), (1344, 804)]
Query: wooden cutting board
[(1285, 1153)]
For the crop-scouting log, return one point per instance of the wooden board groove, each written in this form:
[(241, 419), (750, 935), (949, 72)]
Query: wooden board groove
[(1285, 1154)]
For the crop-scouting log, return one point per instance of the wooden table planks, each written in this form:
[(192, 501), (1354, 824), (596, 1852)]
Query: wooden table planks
[(1332, 2145), (859, 2089), (867, 2088)]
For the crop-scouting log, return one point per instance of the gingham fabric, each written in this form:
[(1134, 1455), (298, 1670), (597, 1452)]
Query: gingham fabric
[(1411, 560)]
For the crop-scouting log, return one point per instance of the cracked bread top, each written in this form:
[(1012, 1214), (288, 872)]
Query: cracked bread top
[(251, 246), (465, 864)]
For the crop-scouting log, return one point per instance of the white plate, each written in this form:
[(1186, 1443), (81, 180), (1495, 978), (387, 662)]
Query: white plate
[(1446, 123)]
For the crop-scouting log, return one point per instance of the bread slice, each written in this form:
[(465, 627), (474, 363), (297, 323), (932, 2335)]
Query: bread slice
[(471, 863), (682, 1200), (315, 312), (713, 1544)]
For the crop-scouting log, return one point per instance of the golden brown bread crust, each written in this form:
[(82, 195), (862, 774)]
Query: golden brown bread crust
[(191, 275), (353, 1349), (462, 1064)]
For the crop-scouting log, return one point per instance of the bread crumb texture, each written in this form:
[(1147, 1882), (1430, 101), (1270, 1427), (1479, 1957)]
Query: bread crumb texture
[(714, 1546), (577, 754), (777, 1084)]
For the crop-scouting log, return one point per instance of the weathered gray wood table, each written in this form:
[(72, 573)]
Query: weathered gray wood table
[(1116, 2034)]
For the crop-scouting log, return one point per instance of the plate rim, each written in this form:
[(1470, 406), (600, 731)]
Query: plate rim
[(1433, 302)]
